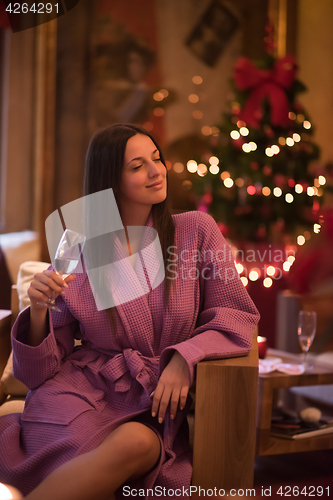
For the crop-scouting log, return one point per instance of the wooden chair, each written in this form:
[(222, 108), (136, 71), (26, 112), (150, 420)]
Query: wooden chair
[(224, 421)]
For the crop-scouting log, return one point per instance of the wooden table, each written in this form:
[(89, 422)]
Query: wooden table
[(266, 444)]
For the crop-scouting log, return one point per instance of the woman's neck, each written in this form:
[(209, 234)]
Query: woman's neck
[(134, 216), (133, 244)]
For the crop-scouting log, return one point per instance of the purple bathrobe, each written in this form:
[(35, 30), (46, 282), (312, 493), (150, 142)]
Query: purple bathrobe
[(78, 396)]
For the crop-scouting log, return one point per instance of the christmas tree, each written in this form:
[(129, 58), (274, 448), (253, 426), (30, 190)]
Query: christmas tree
[(259, 184)]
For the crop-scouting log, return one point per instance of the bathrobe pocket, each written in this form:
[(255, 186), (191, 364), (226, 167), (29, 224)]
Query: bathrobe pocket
[(60, 403)]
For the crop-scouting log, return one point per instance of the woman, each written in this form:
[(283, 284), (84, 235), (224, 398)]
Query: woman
[(111, 415)]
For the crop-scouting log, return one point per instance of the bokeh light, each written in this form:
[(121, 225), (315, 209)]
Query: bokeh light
[(202, 170), (178, 167), (254, 275), (234, 134), (228, 182), (244, 131), (225, 175), (197, 80), (197, 114), (206, 130), (270, 270), (192, 166), (213, 160), (214, 169), (193, 98), (244, 280), (246, 148), (268, 282)]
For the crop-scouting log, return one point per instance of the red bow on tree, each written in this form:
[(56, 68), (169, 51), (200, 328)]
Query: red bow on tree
[(270, 84)]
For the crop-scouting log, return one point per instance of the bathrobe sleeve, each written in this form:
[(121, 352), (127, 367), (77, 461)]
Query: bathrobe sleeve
[(227, 316), (34, 365)]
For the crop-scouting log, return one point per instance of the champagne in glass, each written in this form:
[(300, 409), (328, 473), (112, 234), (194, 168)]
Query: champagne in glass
[(65, 267), (66, 259), (307, 324)]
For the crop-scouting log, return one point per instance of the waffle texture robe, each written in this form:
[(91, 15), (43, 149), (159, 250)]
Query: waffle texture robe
[(78, 396)]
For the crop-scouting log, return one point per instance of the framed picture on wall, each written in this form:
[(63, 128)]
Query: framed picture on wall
[(213, 31)]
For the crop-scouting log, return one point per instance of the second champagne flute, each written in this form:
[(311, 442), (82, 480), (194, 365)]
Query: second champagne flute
[(307, 324)]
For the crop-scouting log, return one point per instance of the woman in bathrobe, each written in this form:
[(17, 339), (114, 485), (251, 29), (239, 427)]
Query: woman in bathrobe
[(109, 416)]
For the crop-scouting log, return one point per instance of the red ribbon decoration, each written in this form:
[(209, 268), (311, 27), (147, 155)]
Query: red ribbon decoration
[(270, 84)]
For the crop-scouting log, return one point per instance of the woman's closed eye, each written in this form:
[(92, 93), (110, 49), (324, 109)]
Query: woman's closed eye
[(137, 167)]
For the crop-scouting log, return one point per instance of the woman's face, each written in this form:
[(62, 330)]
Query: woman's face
[(142, 168)]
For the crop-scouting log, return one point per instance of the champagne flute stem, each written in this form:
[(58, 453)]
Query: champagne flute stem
[(52, 298), (305, 359)]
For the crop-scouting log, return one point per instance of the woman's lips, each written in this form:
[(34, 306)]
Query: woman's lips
[(157, 185)]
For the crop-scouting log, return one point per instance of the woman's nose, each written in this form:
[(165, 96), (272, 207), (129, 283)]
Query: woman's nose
[(153, 169)]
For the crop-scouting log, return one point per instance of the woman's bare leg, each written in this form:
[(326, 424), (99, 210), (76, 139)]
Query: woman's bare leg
[(127, 453)]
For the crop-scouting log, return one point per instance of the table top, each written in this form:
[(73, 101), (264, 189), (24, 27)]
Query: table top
[(319, 373), (4, 313)]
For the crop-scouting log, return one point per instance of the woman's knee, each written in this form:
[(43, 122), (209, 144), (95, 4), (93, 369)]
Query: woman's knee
[(134, 441)]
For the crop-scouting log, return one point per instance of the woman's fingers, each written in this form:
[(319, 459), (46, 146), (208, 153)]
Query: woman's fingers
[(165, 395), (157, 397), (179, 396), (183, 397), (38, 291), (55, 279), (47, 285), (69, 279), (163, 403), (174, 402)]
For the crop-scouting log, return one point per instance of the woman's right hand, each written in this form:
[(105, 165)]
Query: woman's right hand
[(47, 285)]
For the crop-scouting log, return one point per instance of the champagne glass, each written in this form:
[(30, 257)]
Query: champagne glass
[(307, 323), (66, 259)]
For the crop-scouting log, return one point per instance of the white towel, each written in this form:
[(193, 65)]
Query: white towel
[(271, 364)]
